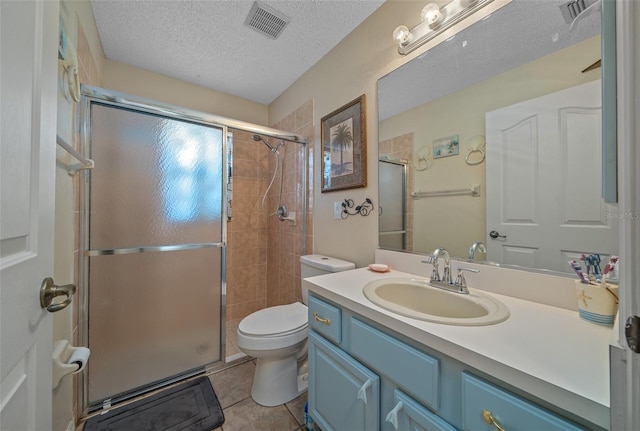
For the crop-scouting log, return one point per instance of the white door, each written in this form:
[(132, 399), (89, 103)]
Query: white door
[(544, 181), (28, 34)]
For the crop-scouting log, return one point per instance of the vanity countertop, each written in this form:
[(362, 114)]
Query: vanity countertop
[(548, 352)]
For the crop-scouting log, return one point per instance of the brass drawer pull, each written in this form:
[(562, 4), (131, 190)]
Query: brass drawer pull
[(320, 319), (488, 418)]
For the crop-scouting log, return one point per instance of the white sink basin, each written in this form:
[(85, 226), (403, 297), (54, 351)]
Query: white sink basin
[(414, 297)]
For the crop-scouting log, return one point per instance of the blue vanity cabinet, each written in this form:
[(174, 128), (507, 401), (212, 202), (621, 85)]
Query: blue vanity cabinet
[(347, 367), (364, 376), (343, 394)]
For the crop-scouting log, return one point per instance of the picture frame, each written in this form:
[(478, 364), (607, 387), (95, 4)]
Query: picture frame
[(445, 147), (344, 147)]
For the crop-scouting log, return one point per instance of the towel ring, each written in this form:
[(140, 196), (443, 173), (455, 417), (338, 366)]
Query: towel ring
[(475, 145), (422, 164), (475, 162), (423, 158)]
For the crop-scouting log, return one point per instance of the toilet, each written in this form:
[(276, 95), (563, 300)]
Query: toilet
[(277, 338)]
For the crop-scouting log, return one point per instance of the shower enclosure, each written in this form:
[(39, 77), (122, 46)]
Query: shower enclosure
[(153, 243), (153, 246)]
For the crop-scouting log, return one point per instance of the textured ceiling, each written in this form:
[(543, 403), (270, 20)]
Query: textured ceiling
[(207, 43)]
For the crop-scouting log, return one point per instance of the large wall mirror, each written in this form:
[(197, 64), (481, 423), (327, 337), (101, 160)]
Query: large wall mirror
[(495, 136)]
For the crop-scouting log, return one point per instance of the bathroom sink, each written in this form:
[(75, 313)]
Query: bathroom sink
[(414, 297)]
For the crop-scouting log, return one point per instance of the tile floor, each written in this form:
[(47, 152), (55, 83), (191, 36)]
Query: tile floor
[(233, 388)]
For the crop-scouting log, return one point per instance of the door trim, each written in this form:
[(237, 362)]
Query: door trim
[(625, 365)]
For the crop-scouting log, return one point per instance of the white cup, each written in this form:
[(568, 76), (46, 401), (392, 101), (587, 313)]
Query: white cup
[(597, 303)]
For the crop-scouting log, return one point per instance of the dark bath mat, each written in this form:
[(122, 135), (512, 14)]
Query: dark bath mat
[(191, 406)]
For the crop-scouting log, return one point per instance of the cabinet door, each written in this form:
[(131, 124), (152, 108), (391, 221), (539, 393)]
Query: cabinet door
[(343, 394), (416, 372), (409, 415)]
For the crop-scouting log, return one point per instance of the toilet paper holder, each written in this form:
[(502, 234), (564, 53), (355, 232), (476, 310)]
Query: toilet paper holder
[(68, 359)]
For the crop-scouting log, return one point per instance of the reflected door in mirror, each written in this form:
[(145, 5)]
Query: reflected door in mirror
[(545, 153)]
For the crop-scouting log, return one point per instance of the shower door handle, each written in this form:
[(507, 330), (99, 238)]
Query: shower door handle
[(50, 290)]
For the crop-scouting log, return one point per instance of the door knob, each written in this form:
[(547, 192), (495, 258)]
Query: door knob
[(495, 234), (49, 290)]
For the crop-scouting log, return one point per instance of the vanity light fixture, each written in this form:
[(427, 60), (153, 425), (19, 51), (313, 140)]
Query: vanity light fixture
[(436, 20)]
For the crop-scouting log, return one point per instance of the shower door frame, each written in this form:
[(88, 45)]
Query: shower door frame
[(92, 94)]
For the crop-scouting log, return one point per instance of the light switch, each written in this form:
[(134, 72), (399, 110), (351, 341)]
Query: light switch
[(337, 210)]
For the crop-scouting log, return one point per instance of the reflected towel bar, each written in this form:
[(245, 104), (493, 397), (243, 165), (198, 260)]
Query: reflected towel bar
[(84, 162), (474, 191), (392, 232)]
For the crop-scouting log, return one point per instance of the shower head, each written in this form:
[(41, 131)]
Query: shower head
[(258, 138)]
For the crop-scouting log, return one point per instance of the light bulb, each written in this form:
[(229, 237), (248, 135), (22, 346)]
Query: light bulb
[(402, 35), (432, 15)]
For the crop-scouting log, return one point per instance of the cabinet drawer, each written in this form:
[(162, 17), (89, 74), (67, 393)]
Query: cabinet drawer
[(409, 415), (417, 372), (510, 411), (343, 394), (325, 319)]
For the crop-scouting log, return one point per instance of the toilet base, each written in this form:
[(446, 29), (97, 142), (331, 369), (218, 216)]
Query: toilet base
[(276, 381)]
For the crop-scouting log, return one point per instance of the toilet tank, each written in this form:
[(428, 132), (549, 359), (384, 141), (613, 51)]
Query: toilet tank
[(317, 264)]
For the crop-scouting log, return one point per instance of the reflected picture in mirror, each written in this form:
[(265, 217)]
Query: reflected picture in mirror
[(445, 147), (519, 91)]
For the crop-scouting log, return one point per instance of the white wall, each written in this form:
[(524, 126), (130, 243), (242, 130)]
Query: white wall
[(352, 68), (132, 80)]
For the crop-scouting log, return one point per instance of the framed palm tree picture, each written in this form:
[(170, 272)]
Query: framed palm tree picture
[(344, 147)]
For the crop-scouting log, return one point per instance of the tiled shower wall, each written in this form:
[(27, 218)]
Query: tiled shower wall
[(263, 253), (401, 147), (286, 242), (246, 232)]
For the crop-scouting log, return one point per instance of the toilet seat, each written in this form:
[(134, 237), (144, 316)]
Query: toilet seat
[(278, 327), (275, 321)]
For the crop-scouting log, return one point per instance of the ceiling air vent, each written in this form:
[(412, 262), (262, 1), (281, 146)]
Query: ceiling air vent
[(573, 8), (266, 20)]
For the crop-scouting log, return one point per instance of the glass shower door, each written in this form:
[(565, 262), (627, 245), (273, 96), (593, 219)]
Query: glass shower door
[(392, 180), (155, 237)]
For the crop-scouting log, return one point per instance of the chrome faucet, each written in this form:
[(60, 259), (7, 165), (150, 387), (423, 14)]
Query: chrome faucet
[(446, 274), (461, 282), (460, 285), (477, 246)]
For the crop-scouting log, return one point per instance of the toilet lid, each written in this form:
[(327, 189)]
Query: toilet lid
[(276, 320)]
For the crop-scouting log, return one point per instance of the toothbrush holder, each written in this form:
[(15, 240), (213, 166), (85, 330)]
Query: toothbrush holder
[(597, 303)]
